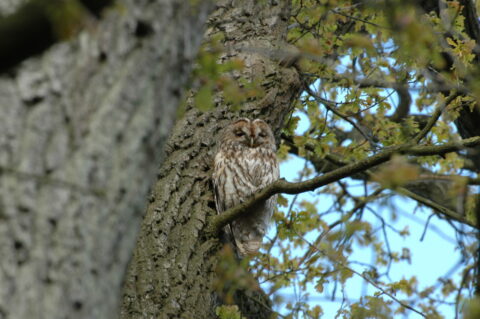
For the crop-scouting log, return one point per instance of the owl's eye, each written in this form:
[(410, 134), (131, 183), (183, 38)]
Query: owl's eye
[(263, 134), (239, 133)]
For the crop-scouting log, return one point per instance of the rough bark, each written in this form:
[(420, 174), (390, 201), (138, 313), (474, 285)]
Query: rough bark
[(172, 271), (81, 132)]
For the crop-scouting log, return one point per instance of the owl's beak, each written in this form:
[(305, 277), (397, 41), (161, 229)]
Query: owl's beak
[(251, 140)]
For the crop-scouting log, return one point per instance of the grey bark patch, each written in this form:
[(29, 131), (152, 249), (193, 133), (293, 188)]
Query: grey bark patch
[(80, 143)]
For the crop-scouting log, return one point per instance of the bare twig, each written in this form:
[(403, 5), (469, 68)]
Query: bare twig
[(373, 283), (433, 119), (359, 19)]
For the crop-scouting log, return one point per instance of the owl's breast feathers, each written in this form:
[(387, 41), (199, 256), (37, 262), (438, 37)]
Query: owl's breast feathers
[(241, 170), (239, 173)]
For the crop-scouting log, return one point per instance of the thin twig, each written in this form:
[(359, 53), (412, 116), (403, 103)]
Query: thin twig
[(433, 119), (427, 223), (361, 20), (373, 283), (460, 288), (330, 106), (359, 205)]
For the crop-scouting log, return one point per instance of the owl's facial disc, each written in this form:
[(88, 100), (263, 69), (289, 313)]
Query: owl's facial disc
[(243, 136), (251, 134)]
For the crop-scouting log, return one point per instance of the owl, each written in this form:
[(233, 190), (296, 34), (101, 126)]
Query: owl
[(244, 164)]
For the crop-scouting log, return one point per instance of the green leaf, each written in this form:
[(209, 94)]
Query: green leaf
[(228, 312), (204, 98)]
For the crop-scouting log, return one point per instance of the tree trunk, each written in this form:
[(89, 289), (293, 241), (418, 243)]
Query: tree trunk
[(172, 271), (81, 132)]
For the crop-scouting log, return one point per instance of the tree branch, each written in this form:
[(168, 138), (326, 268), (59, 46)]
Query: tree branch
[(217, 222), (433, 119), (438, 202), (403, 107), (442, 209)]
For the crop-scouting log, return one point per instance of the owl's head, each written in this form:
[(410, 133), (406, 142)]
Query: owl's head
[(250, 133)]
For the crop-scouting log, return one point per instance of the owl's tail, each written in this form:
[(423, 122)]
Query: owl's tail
[(249, 247), (246, 237)]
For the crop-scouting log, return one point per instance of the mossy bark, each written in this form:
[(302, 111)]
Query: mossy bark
[(172, 271)]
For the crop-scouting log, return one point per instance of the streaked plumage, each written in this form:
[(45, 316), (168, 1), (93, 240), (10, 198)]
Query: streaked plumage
[(245, 163)]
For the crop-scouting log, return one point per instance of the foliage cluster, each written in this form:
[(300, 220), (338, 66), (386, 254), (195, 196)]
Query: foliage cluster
[(377, 74)]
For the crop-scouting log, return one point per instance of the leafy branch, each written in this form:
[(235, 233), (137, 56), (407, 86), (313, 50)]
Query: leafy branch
[(363, 276), (216, 223), (332, 107)]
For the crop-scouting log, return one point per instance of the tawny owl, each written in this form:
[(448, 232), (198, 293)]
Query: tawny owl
[(246, 163)]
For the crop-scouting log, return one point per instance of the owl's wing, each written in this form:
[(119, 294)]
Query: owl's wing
[(221, 208), (217, 173), (218, 204)]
